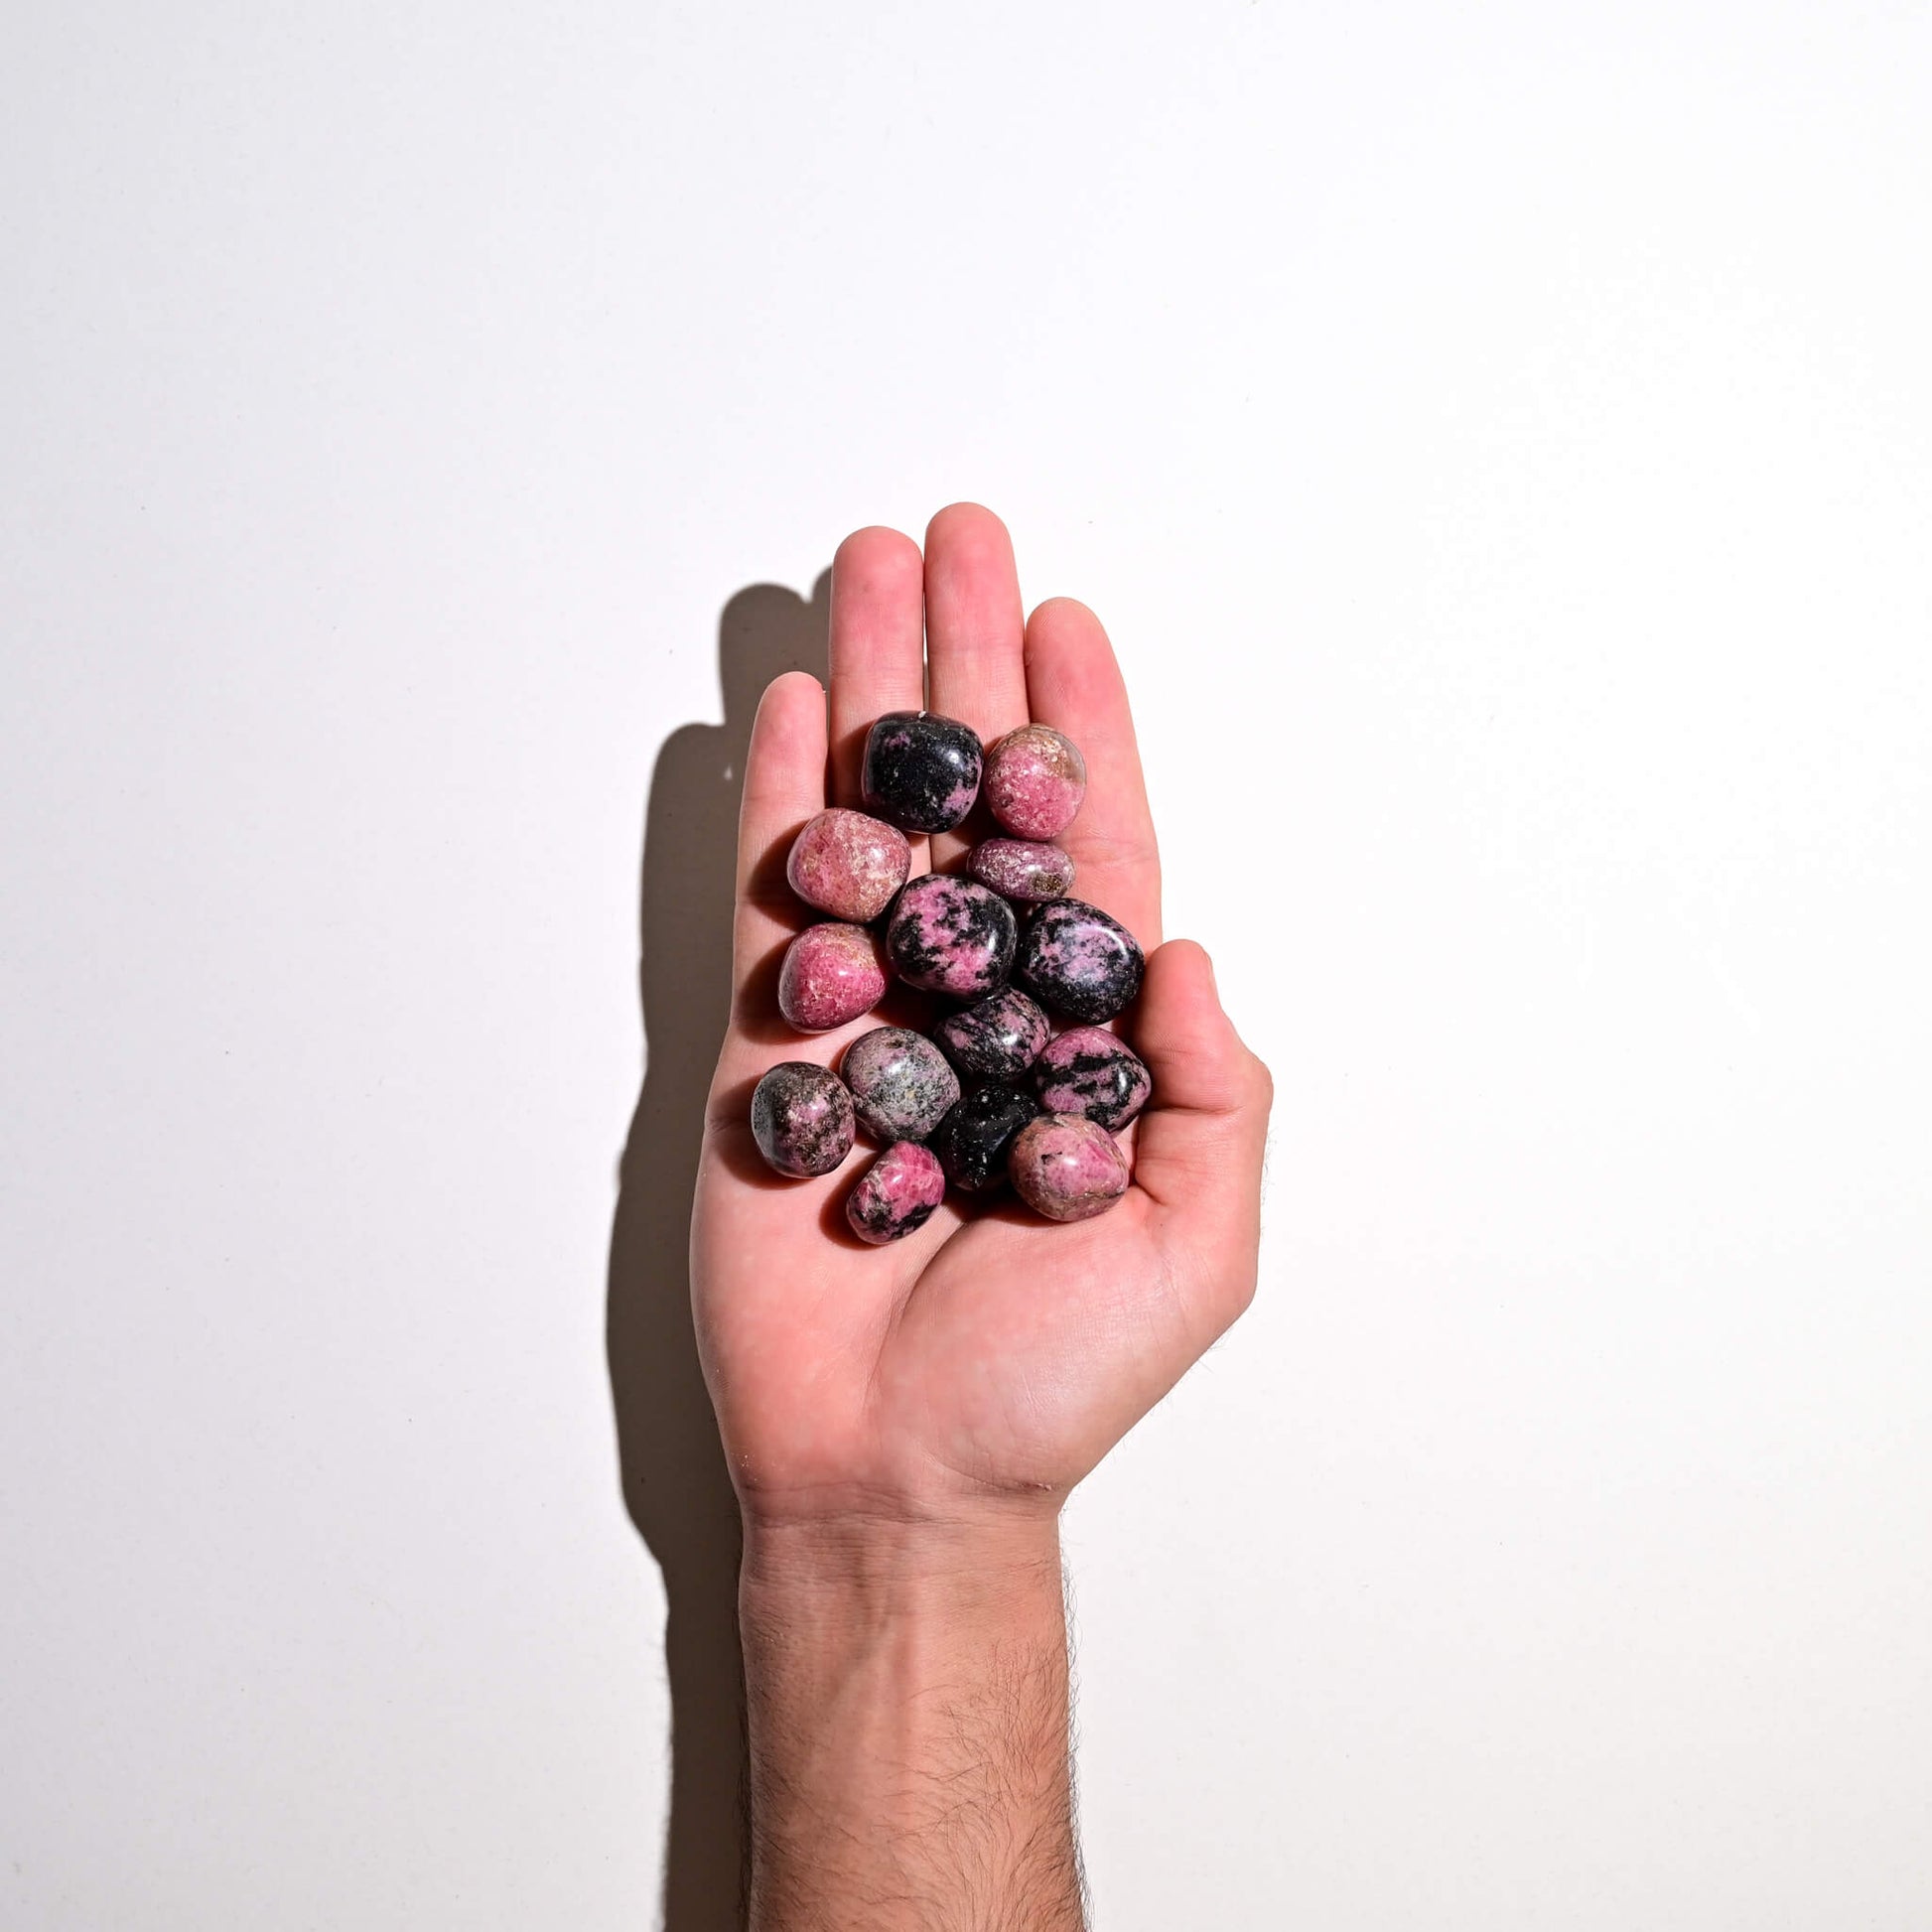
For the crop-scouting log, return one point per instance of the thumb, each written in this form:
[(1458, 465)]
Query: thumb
[(1198, 1150)]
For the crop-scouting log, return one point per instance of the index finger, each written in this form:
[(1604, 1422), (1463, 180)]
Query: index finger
[(784, 784)]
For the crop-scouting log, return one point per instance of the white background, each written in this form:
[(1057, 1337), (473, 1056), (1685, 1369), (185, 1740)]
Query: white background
[(1500, 439)]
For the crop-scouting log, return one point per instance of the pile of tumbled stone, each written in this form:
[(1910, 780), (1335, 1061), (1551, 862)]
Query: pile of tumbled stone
[(989, 1092)]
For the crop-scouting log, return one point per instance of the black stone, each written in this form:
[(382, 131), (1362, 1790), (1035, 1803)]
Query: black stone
[(972, 1141), (920, 770), (1074, 959), (997, 1040)]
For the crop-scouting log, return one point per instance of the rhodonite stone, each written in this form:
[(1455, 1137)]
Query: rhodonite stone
[(848, 864), (972, 1141), (951, 935), (801, 1119), (1066, 1168), (896, 1195), (899, 1082), (830, 974), (1089, 1071), (1077, 961), (1024, 869), (920, 770), (999, 1039), (1034, 780)]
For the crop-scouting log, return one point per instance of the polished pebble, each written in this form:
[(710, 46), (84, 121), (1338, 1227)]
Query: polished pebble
[(803, 1119), (1034, 782), (920, 770), (1087, 1071), (1066, 1168), (972, 1141), (900, 1081), (998, 1038), (896, 1195), (951, 935), (830, 974), (1075, 960), (1024, 869), (848, 864)]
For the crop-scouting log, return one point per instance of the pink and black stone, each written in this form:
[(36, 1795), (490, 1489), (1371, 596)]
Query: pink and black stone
[(1066, 1168), (1034, 782), (896, 1195), (848, 864), (920, 770), (972, 1141), (951, 935), (1089, 1072), (1073, 960), (803, 1119), (830, 974), (1022, 869), (899, 1082), (998, 1038)]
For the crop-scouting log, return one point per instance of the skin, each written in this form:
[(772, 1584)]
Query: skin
[(904, 1424)]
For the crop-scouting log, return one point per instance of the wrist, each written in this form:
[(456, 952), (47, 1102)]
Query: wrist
[(860, 1569)]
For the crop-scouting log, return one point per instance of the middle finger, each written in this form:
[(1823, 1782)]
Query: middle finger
[(975, 628)]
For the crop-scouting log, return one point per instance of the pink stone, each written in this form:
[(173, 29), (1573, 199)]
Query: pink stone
[(951, 935), (1024, 869), (1088, 1070), (803, 1119), (896, 1193), (830, 974), (1067, 1168), (848, 864), (1034, 779)]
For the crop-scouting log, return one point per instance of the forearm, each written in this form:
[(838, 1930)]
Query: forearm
[(907, 1703)]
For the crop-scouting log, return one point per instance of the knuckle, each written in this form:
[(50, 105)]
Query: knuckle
[(1261, 1082)]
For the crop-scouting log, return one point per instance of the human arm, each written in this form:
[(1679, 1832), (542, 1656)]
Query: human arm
[(904, 1424), (906, 1690)]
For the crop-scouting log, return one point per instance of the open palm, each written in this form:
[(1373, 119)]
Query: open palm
[(989, 1355)]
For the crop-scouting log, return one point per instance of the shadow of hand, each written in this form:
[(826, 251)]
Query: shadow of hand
[(675, 1484)]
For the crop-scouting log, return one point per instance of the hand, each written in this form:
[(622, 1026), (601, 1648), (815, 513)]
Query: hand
[(904, 1423), (980, 1367)]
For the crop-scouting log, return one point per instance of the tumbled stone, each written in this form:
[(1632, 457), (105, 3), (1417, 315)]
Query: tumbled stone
[(1066, 1168), (1087, 1070), (1034, 782), (830, 974), (951, 935), (896, 1195), (920, 770), (899, 1082), (848, 864), (1075, 960), (803, 1119), (1024, 869), (972, 1141), (998, 1038)]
